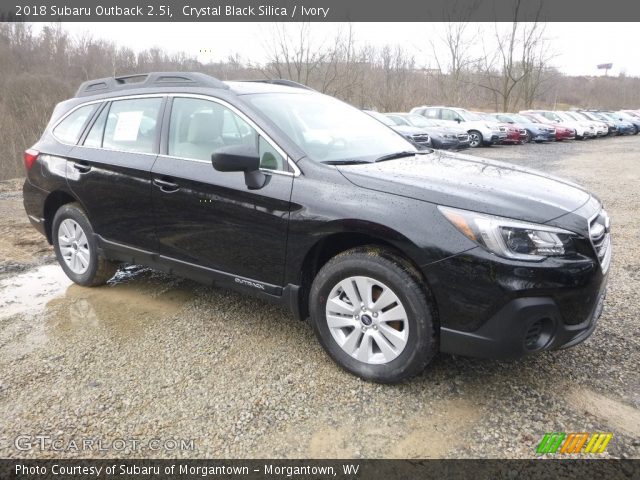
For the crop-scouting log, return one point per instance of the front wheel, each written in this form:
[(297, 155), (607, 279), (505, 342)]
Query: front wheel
[(527, 136), (76, 248), (475, 139), (370, 312)]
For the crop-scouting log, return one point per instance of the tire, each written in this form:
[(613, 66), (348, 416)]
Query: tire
[(370, 347), (76, 248), (475, 139), (528, 137)]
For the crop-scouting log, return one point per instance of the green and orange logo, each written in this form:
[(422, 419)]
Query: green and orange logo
[(561, 442)]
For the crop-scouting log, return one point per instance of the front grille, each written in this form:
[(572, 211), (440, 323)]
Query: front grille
[(463, 137), (601, 238), (420, 138)]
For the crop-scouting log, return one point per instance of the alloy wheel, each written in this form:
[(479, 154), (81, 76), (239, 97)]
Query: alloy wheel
[(74, 246), (367, 320)]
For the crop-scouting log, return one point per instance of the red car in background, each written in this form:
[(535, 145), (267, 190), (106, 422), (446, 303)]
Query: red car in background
[(562, 132), (516, 134)]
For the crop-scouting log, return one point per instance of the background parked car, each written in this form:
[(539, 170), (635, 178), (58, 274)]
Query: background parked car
[(582, 128), (535, 131), (562, 132), (442, 136), (601, 128), (624, 127), (515, 134), (417, 136), (481, 132), (591, 115), (626, 120)]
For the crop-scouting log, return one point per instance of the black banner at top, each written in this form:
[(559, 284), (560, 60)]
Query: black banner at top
[(319, 10)]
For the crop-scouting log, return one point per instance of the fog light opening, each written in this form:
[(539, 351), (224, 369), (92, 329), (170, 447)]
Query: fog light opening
[(538, 335)]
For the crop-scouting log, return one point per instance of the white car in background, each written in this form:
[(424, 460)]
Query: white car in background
[(481, 132), (601, 128)]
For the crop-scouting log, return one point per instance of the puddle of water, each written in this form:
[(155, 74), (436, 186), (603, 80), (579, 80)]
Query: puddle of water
[(29, 292), (42, 303)]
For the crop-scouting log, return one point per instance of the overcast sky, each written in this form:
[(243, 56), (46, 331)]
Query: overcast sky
[(579, 46)]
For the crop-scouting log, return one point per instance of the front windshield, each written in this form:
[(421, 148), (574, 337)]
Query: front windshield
[(519, 118), (420, 121), (328, 130), (469, 116), (381, 117), (572, 116)]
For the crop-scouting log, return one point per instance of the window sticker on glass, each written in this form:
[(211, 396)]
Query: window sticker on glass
[(127, 126)]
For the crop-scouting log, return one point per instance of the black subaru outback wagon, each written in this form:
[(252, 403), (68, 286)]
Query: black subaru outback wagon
[(275, 189)]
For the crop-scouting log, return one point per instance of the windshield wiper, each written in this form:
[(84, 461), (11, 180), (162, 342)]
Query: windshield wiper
[(345, 162), (392, 156)]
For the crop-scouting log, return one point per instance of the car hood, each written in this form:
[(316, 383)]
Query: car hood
[(472, 183)]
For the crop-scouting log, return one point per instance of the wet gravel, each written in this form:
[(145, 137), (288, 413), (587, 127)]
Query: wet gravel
[(152, 356)]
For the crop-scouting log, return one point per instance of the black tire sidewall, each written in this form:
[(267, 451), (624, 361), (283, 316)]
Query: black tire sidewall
[(75, 213), (420, 346)]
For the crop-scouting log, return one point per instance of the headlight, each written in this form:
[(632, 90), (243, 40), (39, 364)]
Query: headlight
[(510, 238)]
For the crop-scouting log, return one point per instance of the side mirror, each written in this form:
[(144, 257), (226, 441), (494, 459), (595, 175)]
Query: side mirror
[(240, 158), (458, 119)]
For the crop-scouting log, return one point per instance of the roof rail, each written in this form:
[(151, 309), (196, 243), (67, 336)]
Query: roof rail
[(148, 80), (282, 81)]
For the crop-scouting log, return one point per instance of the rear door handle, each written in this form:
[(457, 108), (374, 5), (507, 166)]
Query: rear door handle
[(82, 167), (166, 186)]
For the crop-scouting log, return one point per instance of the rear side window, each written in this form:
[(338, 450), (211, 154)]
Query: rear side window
[(131, 125), (69, 130), (94, 137), (431, 113)]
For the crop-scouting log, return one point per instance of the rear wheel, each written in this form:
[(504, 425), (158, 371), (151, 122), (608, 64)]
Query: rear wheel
[(76, 248), (527, 136), (371, 314), (475, 139)]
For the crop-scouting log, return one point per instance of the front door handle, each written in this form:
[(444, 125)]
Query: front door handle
[(82, 167), (166, 186)]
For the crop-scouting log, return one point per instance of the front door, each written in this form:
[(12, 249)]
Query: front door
[(211, 218)]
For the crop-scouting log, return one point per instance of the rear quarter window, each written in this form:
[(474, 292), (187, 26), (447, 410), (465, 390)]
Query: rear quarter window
[(69, 129)]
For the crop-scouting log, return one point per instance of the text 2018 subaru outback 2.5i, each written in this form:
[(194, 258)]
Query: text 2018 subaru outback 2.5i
[(275, 189)]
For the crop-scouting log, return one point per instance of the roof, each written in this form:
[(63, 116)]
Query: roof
[(170, 80)]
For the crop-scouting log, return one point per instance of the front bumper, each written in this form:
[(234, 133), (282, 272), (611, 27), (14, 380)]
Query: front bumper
[(544, 137), (498, 308), (523, 326)]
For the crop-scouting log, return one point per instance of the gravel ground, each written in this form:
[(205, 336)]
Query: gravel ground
[(152, 356)]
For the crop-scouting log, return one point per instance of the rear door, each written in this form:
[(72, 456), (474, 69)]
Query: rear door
[(210, 218), (110, 170)]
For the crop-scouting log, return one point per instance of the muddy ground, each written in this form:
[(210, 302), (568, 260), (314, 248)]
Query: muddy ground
[(210, 373)]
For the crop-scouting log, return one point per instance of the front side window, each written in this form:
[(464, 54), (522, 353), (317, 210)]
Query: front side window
[(199, 127), (69, 130), (450, 115), (131, 125)]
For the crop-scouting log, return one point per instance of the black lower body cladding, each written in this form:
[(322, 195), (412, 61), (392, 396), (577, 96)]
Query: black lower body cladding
[(498, 308)]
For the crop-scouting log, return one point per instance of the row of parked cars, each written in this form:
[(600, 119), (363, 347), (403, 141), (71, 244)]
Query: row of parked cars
[(458, 128)]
